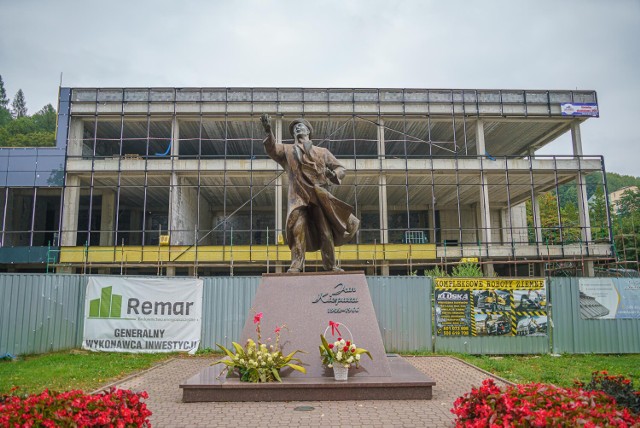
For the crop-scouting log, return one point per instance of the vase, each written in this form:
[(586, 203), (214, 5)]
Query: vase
[(340, 372)]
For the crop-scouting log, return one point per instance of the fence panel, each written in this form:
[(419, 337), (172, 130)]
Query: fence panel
[(403, 308), (575, 335), (226, 302), (493, 345), (40, 313)]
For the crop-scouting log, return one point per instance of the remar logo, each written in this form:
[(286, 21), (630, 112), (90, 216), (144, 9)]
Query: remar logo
[(107, 306)]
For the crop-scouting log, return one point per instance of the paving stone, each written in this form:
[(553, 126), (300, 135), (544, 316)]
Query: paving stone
[(453, 379)]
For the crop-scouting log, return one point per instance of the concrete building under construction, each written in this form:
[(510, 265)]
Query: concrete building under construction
[(176, 181)]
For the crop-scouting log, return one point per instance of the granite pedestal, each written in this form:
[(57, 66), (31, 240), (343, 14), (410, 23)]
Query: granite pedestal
[(306, 302)]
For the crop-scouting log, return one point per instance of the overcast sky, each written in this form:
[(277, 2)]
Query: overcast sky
[(338, 43)]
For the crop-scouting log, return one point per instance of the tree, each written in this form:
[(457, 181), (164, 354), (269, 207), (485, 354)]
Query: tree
[(629, 203), (5, 116), (45, 119), (19, 105), (4, 101), (549, 221), (627, 226), (598, 216)]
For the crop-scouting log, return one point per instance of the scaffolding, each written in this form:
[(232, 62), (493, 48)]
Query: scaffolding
[(176, 180)]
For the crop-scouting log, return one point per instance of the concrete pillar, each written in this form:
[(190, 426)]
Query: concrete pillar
[(504, 226), (583, 206), (107, 218), (170, 271), (183, 200), (76, 134), (174, 200), (183, 213), (382, 206), (279, 199), (485, 208), (70, 211), (485, 211), (576, 138), (175, 139), (382, 198), (535, 208), (517, 221), (481, 148)]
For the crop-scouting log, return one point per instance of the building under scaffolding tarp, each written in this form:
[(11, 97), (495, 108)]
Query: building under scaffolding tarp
[(176, 181)]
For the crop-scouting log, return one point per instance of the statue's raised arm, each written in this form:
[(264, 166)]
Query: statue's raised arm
[(266, 123)]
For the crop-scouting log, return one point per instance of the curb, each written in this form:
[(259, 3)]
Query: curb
[(132, 375), (508, 382)]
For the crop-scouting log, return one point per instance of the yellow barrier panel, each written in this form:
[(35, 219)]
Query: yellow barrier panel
[(238, 253)]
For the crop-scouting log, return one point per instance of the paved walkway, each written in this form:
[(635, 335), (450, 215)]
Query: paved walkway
[(453, 378)]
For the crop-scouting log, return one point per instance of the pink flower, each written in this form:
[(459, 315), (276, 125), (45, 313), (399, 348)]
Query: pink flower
[(257, 318), (277, 330), (331, 346)]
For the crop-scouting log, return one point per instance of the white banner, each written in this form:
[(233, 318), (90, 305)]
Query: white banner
[(143, 315), (609, 298), (579, 109)]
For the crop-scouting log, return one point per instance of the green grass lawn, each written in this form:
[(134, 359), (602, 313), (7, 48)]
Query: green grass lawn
[(88, 371), (560, 371), (62, 371)]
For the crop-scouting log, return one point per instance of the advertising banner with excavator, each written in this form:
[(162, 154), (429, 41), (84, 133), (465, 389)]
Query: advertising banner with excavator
[(490, 307)]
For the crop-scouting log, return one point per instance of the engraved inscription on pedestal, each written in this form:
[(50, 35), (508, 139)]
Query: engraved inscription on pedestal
[(340, 300)]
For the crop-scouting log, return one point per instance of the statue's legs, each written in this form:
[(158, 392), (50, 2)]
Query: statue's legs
[(299, 220), (327, 249)]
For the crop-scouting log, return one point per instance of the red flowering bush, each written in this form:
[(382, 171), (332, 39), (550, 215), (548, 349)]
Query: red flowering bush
[(617, 387), (117, 408), (539, 405)]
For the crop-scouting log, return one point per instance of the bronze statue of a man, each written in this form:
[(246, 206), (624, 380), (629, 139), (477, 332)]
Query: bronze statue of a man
[(316, 220)]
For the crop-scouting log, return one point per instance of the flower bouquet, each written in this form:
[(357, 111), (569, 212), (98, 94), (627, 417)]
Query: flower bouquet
[(257, 362), (341, 354)]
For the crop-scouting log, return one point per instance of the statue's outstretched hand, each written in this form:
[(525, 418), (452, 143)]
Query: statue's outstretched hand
[(329, 173), (266, 123)]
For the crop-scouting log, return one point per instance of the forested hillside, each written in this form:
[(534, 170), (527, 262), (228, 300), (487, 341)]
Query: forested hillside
[(18, 129), (617, 181)]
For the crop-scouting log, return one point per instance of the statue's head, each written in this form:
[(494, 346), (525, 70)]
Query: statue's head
[(300, 127)]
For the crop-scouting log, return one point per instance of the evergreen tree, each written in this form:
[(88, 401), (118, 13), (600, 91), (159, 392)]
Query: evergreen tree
[(629, 203), (19, 105), (4, 101), (45, 119)]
